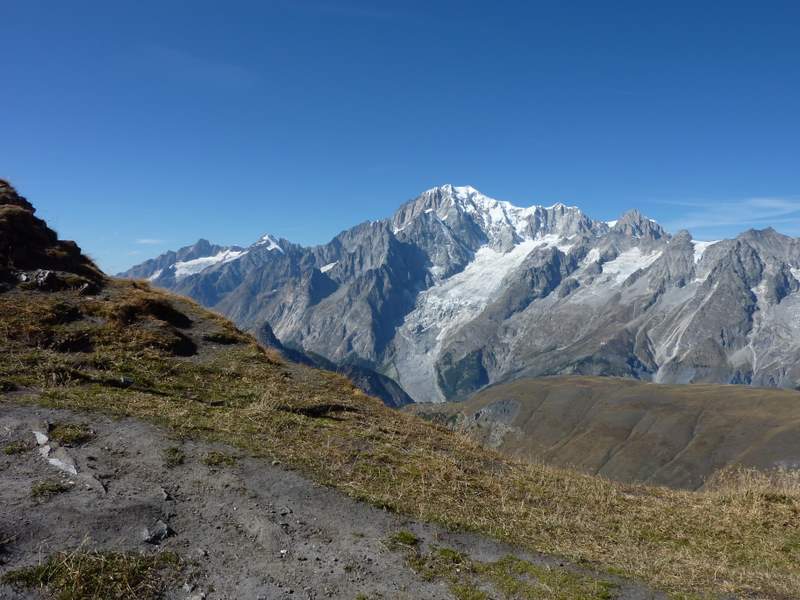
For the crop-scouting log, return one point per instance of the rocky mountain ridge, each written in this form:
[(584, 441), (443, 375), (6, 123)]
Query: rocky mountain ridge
[(32, 254), (457, 290)]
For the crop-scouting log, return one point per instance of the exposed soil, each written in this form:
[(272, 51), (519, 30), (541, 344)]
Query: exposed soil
[(246, 530)]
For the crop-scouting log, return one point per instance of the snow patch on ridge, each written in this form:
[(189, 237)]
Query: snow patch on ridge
[(700, 248), (497, 216), (329, 266), (191, 267), (628, 262), (462, 296), (592, 256), (553, 239), (503, 223), (269, 242), (494, 214)]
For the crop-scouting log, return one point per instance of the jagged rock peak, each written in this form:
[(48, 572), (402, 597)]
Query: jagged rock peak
[(502, 223), (682, 237), (635, 224), (9, 196), (270, 243), (761, 235), (466, 196), (202, 244)]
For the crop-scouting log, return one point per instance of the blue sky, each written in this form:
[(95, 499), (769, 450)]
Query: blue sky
[(141, 126)]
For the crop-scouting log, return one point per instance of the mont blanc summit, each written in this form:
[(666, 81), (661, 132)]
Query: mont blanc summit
[(458, 290)]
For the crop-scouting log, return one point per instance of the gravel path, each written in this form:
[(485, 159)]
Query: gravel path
[(255, 530)]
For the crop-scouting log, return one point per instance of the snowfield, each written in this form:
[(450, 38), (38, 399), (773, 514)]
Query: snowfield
[(627, 263), (191, 267)]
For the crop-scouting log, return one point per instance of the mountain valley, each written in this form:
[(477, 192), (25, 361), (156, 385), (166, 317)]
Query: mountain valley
[(677, 435)]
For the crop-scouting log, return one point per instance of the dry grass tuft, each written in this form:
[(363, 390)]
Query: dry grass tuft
[(44, 490), (70, 434), (174, 457), (219, 459), (743, 483), (17, 447)]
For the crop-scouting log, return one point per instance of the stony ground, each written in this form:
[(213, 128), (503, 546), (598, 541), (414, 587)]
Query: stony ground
[(246, 530)]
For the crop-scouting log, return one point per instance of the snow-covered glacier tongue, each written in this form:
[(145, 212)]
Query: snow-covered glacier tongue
[(508, 235)]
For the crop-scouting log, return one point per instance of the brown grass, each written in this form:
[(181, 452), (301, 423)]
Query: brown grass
[(741, 537)]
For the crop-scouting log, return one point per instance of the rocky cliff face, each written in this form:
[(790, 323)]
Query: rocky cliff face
[(31, 253), (457, 290)]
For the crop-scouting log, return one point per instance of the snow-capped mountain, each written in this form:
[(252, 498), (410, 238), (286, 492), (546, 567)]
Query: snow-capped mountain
[(172, 267), (457, 291)]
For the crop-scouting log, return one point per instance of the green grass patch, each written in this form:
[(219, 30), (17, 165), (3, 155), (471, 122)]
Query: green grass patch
[(18, 447), (98, 576), (467, 592), (70, 434), (219, 459), (174, 456), (44, 490), (403, 539), (509, 578), (515, 578)]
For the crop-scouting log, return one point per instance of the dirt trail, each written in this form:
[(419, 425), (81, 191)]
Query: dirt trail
[(255, 530)]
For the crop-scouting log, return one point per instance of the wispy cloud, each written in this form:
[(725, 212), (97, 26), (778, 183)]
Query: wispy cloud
[(189, 68), (742, 214), (149, 242)]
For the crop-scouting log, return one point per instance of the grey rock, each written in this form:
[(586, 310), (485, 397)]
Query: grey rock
[(457, 291), (156, 534)]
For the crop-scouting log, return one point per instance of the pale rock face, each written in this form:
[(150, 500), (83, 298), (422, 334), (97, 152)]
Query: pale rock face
[(457, 290)]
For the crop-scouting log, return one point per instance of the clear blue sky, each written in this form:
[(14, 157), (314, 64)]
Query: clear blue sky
[(166, 121)]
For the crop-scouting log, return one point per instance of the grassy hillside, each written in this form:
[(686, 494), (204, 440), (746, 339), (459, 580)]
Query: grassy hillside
[(131, 350), (677, 435)]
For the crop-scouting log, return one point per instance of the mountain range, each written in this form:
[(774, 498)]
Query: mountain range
[(151, 449), (457, 291)]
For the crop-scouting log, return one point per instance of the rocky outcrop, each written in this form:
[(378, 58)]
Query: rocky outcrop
[(32, 254), (372, 383)]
